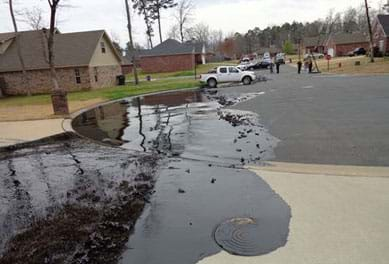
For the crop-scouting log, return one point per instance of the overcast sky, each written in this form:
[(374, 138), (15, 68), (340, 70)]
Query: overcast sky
[(227, 15)]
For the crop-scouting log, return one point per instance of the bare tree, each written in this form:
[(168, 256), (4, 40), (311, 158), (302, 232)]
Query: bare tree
[(201, 33), (370, 32), (183, 16), (34, 18), (59, 98), (144, 8), (216, 37), (173, 33), (157, 6), (19, 48), (131, 43)]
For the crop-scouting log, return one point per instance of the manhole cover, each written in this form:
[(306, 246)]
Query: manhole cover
[(242, 236)]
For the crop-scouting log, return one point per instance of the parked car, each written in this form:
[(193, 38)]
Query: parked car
[(266, 55), (225, 74), (280, 58), (264, 64), (245, 61), (315, 55), (357, 52)]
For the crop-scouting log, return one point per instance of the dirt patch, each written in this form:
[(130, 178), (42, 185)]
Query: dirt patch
[(42, 111)]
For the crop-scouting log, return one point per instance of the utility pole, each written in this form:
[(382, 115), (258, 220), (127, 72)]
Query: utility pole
[(131, 46), (370, 32)]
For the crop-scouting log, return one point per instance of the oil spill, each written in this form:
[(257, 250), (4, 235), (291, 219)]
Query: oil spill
[(43, 184), (204, 146), (178, 227)]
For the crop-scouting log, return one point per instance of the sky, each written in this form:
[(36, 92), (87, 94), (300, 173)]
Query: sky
[(228, 15)]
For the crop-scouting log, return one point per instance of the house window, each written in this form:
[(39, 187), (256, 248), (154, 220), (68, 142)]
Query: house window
[(78, 76), (96, 74), (102, 45)]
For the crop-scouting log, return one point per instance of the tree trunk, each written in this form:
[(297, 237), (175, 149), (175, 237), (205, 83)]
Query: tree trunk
[(19, 49), (50, 46), (159, 26), (58, 96), (370, 32), (129, 27), (182, 33)]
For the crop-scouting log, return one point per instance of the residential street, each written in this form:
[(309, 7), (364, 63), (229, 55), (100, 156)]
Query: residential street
[(324, 119)]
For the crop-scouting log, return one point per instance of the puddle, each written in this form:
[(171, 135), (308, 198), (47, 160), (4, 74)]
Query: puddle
[(203, 184), (186, 124)]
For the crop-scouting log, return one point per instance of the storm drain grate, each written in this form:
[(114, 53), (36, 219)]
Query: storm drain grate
[(241, 236)]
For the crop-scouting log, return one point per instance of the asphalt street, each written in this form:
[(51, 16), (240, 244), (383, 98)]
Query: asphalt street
[(324, 119)]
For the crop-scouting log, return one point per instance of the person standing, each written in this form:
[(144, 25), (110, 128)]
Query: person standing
[(310, 65), (299, 65), (271, 66), (278, 64)]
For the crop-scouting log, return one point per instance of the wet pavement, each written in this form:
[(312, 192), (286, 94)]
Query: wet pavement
[(200, 148), (324, 119)]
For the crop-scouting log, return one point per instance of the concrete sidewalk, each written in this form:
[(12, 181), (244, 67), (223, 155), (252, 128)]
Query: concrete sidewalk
[(339, 215), (23, 131)]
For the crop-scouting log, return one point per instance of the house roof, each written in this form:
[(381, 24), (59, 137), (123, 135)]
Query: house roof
[(174, 47), (6, 36), (384, 21), (315, 41), (349, 38), (71, 49)]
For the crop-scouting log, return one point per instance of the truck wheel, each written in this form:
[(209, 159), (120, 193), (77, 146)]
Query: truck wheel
[(246, 80), (212, 83)]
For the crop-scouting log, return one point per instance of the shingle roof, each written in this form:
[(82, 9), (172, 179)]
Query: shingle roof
[(348, 38), (384, 21), (6, 36), (315, 41), (174, 47), (71, 49)]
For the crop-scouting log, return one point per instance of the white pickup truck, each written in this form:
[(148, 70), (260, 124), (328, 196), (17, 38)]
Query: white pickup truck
[(225, 74)]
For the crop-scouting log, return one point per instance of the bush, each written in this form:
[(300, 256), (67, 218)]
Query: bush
[(288, 47)]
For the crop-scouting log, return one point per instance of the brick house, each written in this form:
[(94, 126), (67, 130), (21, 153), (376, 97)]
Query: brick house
[(381, 33), (342, 43), (172, 56), (83, 60), (315, 44), (127, 64)]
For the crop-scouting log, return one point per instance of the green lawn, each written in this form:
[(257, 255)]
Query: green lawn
[(106, 94), (199, 70)]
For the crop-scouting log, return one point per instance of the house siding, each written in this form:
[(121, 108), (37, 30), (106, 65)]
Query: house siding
[(379, 35), (170, 63), (40, 82), (104, 59), (343, 49), (106, 76)]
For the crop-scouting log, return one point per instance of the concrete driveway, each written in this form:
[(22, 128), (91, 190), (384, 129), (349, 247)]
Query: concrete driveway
[(339, 213)]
